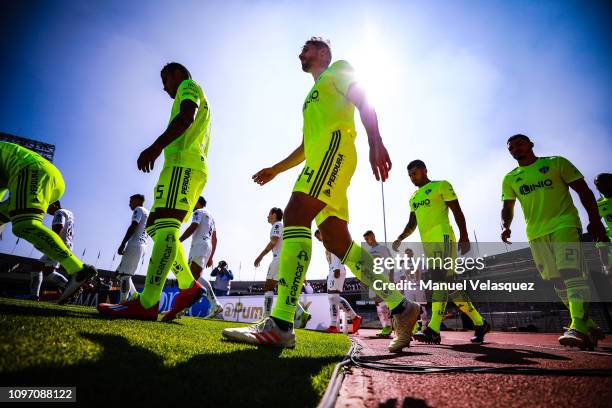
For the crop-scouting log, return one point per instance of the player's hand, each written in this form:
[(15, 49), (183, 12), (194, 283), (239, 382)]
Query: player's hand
[(121, 249), (379, 160), (598, 231), (257, 262), (264, 175), (396, 244), (464, 245), (210, 262), (505, 235), (147, 158)]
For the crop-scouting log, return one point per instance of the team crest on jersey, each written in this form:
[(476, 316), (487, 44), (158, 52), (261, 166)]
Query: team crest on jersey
[(427, 191), (544, 169), (518, 180)]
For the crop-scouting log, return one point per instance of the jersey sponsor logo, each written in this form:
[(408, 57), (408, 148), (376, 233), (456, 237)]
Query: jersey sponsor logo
[(295, 289), (312, 97), (335, 170), (530, 188), (185, 185), (544, 169), (424, 202)]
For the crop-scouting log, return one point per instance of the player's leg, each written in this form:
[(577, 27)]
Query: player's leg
[(127, 268), (384, 317), (198, 258), (31, 191), (36, 279), (334, 308), (271, 281)]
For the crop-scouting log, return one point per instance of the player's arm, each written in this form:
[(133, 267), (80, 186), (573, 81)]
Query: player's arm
[(128, 234), (587, 198), (464, 240), (408, 230), (507, 214), (214, 248), (296, 157), (268, 248), (379, 157), (189, 231), (177, 127)]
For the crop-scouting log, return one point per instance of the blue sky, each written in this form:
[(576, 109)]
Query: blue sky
[(451, 81)]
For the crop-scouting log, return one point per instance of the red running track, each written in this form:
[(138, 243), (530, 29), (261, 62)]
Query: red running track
[(374, 388)]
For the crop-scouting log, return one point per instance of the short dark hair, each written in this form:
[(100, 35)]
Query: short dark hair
[(368, 232), (604, 177), (202, 201), (173, 66), (139, 197), (278, 212), (420, 164), (317, 232), (58, 203), (518, 136), (321, 43)]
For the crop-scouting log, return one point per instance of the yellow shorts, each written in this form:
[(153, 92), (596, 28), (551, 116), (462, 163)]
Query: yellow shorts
[(179, 188), (440, 251), (558, 250), (33, 187), (327, 173)]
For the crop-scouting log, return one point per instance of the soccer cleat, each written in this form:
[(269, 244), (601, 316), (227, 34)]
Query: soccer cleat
[(76, 281), (479, 333), (184, 300), (403, 323), (263, 333), (131, 309), (304, 318), (332, 329), (428, 336), (573, 338), (357, 323), (214, 310), (385, 332)]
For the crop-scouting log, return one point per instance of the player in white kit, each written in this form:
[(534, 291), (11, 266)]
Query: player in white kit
[(335, 285), (382, 310), (275, 218), (203, 233), (63, 226), (413, 273), (133, 247)]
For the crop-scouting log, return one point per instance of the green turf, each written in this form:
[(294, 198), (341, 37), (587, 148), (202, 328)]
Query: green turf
[(114, 361)]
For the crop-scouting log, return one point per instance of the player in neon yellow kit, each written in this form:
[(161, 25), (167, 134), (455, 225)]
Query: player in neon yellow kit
[(542, 184), (33, 183), (603, 183), (181, 181), (429, 207), (328, 146)]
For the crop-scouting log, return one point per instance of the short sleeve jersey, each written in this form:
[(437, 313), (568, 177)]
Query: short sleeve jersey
[(277, 231), (65, 218), (542, 189), (605, 211), (139, 216), (191, 148), (13, 158), (206, 225), (326, 107), (428, 203)]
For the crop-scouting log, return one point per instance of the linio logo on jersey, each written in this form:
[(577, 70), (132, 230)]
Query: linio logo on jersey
[(529, 188)]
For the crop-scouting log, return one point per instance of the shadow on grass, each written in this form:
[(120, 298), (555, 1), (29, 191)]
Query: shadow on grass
[(505, 355), (32, 309), (127, 372)]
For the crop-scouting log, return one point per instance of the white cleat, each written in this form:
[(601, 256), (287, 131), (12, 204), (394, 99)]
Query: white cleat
[(214, 310), (403, 323), (76, 281), (262, 333)]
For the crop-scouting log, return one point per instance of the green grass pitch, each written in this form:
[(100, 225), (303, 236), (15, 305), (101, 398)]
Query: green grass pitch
[(116, 361)]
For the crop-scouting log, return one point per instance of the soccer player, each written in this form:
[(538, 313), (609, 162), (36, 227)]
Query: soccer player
[(275, 218), (335, 285), (181, 181), (133, 247), (429, 207), (603, 183), (328, 147), (382, 310), (413, 272), (542, 184), (63, 226), (203, 246), (33, 183)]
